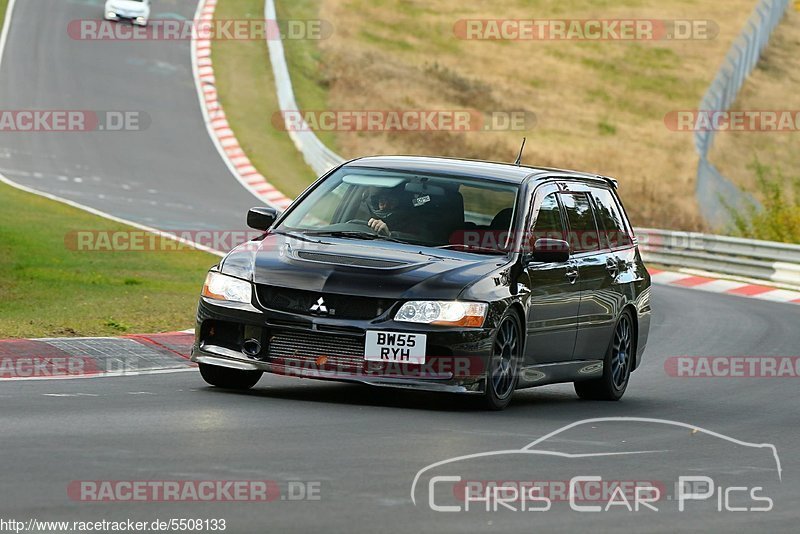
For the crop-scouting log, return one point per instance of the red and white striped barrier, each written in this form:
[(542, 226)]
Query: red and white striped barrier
[(217, 123)]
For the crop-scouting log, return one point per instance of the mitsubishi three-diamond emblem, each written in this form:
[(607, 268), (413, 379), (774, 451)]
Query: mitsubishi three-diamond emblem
[(319, 307)]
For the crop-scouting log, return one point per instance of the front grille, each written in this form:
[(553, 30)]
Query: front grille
[(354, 261), (307, 348), (335, 305)]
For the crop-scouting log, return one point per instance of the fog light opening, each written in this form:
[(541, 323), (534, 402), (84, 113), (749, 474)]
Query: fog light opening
[(251, 348)]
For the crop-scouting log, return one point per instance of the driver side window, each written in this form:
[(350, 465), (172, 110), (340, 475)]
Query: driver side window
[(329, 206)]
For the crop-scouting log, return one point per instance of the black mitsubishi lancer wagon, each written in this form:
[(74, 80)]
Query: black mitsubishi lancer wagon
[(437, 274)]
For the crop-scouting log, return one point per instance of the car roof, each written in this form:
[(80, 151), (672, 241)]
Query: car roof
[(507, 172)]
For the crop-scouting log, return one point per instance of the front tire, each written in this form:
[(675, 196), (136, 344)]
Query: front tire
[(616, 365), (502, 375), (224, 377)]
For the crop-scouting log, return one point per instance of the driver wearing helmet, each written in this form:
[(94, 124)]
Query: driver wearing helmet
[(386, 206)]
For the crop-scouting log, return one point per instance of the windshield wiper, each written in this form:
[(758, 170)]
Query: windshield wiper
[(355, 234), (295, 235), (473, 248)]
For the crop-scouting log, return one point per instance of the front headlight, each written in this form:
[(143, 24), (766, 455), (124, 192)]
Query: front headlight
[(443, 312), (222, 287)]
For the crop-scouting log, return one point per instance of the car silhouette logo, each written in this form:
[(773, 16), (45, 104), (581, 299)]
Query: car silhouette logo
[(319, 307)]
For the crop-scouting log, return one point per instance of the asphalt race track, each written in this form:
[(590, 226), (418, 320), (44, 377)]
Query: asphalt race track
[(360, 447), (168, 174)]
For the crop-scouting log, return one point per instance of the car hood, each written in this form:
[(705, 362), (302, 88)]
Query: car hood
[(355, 267)]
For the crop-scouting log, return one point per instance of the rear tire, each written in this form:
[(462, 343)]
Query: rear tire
[(616, 365), (224, 377), (502, 372)]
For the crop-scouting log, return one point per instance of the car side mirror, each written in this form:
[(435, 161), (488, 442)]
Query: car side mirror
[(261, 218), (548, 250)]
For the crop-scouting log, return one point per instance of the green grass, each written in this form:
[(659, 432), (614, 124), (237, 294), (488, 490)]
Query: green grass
[(606, 128), (246, 89), (49, 289), (779, 216), (310, 79)]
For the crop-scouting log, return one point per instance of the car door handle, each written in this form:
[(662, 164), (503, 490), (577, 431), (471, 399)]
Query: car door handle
[(612, 267), (572, 275)]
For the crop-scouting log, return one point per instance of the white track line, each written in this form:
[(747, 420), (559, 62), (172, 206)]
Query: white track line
[(100, 375), (114, 218), (93, 211), (6, 26)]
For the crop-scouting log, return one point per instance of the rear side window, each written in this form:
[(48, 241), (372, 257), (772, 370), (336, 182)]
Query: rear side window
[(610, 220), (582, 235), (548, 221)]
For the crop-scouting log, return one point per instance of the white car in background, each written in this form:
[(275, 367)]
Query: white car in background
[(137, 11)]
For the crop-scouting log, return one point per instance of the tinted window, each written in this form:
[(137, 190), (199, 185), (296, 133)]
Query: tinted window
[(548, 220), (613, 231), (488, 205), (582, 235), (413, 207)]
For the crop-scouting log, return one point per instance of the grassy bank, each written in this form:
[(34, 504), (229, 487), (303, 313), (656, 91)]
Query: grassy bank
[(246, 89), (772, 87), (50, 289), (599, 105)]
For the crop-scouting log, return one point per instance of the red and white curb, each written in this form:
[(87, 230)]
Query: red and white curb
[(727, 287), (217, 123), (92, 357), (63, 358)]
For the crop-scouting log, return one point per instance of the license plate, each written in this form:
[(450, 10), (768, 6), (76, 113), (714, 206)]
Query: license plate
[(394, 347)]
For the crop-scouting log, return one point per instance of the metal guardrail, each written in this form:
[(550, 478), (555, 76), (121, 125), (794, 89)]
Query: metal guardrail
[(720, 96), (712, 186), (318, 156), (752, 258), (763, 260)]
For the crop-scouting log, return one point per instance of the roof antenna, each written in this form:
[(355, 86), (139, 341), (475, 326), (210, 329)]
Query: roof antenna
[(519, 157)]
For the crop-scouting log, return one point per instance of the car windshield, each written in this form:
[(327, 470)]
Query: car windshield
[(474, 215)]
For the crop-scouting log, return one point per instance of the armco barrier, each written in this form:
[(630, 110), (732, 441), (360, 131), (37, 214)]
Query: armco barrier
[(712, 186), (763, 260), (316, 154), (752, 258)]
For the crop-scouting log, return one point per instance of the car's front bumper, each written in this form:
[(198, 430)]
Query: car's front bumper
[(456, 358), (139, 20)]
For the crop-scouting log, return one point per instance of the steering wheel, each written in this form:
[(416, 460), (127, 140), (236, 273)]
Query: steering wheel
[(358, 221)]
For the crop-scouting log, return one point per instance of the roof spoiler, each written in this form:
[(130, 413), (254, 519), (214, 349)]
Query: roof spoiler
[(611, 181)]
